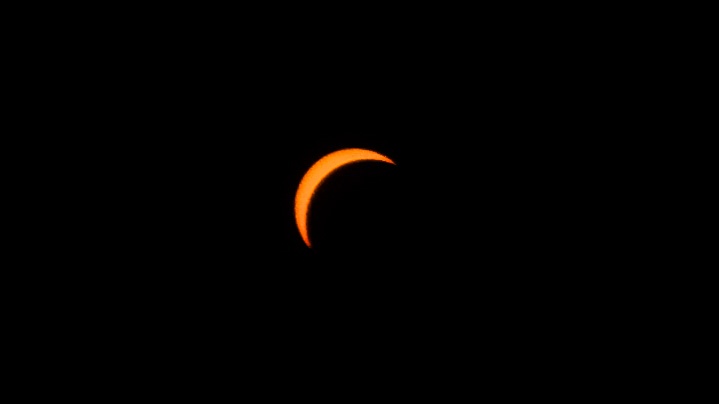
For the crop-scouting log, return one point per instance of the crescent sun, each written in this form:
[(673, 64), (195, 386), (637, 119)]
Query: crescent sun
[(318, 172)]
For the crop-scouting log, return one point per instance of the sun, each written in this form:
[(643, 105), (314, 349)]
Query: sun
[(318, 173)]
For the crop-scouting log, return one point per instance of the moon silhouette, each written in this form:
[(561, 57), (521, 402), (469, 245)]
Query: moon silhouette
[(318, 172)]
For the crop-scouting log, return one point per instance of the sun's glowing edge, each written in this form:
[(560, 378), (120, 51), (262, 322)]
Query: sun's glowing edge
[(318, 173)]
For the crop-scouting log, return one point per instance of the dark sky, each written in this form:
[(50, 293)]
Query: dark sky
[(192, 191), (177, 160)]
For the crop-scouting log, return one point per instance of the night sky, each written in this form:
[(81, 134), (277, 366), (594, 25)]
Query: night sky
[(173, 197), (191, 201)]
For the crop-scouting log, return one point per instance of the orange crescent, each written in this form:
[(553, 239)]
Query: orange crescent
[(318, 172)]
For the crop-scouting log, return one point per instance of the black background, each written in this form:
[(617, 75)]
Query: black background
[(169, 198)]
